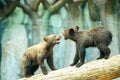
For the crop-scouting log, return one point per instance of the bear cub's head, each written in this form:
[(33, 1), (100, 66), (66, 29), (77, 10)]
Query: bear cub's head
[(70, 32), (52, 39)]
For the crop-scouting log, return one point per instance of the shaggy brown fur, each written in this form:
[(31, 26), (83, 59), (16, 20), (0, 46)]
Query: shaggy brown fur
[(99, 37), (34, 56)]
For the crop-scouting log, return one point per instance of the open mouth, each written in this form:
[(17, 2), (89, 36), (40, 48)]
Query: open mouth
[(65, 38), (58, 40)]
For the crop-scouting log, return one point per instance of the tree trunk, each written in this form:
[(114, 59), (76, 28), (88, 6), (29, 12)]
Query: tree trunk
[(118, 26), (1, 30), (45, 22), (92, 11), (103, 69), (36, 24)]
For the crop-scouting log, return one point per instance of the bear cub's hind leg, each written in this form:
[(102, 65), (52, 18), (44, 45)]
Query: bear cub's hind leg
[(104, 51)]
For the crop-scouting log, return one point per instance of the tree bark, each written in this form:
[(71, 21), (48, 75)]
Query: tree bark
[(8, 8), (35, 22), (103, 69), (1, 30), (118, 26), (92, 11)]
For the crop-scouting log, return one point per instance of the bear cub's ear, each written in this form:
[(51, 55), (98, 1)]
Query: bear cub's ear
[(77, 28), (45, 39)]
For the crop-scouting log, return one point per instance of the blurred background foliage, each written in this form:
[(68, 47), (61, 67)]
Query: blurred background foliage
[(24, 23)]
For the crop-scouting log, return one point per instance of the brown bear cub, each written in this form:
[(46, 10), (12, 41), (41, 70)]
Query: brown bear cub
[(35, 55), (99, 37)]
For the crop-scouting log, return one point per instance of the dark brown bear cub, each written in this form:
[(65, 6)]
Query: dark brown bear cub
[(34, 56), (99, 37)]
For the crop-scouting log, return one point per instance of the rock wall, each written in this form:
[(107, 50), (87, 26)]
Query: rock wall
[(14, 43)]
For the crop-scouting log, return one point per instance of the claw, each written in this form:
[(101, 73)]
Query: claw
[(71, 64), (45, 72), (79, 64)]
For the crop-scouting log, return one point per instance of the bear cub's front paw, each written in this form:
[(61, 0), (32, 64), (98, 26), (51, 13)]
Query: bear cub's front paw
[(72, 64), (79, 64), (45, 72)]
